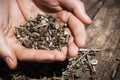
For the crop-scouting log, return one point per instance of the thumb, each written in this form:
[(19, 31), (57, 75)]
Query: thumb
[(6, 52)]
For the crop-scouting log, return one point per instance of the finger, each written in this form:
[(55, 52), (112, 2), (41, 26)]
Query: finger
[(64, 50), (3, 13), (29, 9), (76, 26), (16, 17), (25, 54), (77, 7), (72, 47), (42, 55), (78, 30), (6, 52)]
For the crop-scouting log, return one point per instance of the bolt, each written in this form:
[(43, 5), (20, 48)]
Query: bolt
[(94, 62)]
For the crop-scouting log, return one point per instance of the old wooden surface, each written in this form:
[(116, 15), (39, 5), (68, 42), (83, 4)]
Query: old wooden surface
[(104, 33)]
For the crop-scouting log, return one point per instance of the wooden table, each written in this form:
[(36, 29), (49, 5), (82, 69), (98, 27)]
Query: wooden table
[(104, 33)]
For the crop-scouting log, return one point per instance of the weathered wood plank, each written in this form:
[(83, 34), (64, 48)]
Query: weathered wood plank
[(104, 34), (117, 76)]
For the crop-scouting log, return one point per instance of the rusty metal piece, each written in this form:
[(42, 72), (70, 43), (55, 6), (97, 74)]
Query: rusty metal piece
[(94, 62)]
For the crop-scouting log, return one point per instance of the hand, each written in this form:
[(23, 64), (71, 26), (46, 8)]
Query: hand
[(6, 52), (18, 13), (70, 11), (10, 48)]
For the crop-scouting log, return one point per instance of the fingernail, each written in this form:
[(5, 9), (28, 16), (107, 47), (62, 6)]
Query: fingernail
[(9, 61), (89, 19)]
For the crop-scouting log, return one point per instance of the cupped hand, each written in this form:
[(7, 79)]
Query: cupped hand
[(10, 48), (68, 11), (13, 13)]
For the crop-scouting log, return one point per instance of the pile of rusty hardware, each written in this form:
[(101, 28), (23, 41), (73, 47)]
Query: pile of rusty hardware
[(43, 32)]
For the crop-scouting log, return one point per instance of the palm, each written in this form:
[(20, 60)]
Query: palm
[(23, 53), (51, 8)]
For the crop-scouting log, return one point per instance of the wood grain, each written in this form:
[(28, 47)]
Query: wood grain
[(104, 33)]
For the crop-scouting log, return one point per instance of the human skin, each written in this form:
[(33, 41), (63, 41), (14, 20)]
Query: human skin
[(15, 12)]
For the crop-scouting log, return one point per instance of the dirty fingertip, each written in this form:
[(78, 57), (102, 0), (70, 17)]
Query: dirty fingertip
[(10, 63)]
